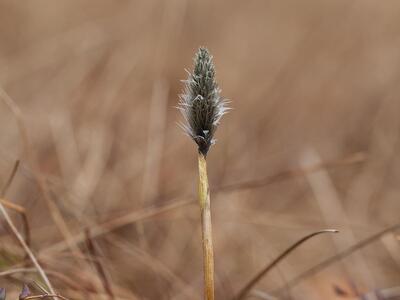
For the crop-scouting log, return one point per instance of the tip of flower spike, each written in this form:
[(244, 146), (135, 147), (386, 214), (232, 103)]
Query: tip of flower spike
[(203, 52)]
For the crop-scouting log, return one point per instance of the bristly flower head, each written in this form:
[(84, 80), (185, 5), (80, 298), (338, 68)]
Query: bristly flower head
[(201, 103)]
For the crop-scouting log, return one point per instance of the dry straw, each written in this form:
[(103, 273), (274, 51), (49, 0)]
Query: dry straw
[(202, 107)]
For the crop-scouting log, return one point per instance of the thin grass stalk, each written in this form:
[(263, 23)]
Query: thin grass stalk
[(45, 296), (19, 209), (247, 288), (26, 248), (206, 229), (24, 243)]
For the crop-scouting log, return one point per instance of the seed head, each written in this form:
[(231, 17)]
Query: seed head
[(201, 103)]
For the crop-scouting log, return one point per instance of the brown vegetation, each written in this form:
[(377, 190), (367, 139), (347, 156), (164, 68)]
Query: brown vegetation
[(107, 180)]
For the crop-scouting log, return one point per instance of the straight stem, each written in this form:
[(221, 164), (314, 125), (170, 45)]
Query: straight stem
[(206, 229)]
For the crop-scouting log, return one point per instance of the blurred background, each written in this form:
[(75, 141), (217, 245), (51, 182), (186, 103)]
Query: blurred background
[(108, 180)]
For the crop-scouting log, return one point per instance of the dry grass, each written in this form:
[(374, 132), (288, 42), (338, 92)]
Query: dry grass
[(108, 180)]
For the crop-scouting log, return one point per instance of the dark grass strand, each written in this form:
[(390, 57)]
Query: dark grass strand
[(19, 210), (319, 267), (10, 178), (247, 288), (99, 266)]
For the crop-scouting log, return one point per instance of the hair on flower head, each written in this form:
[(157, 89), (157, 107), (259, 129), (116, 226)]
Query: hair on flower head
[(201, 103)]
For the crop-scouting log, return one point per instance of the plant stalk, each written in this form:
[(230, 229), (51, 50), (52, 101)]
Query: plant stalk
[(206, 229), (244, 291)]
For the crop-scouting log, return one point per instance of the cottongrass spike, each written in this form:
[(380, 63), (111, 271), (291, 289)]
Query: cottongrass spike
[(201, 103)]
